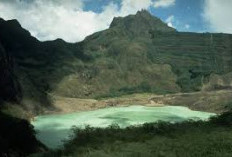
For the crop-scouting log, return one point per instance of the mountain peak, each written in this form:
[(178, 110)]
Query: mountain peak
[(140, 23), (144, 13), (12, 23)]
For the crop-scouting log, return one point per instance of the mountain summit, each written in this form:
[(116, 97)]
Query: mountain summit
[(137, 54), (140, 23)]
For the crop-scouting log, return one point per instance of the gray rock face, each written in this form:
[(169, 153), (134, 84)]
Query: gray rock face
[(142, 23), (140, 53)]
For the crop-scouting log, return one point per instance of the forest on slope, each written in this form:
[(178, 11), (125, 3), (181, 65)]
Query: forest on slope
[(137, 54)]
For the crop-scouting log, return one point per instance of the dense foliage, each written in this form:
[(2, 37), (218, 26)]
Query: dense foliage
[(188, 139), (17, 137), (138, 53)]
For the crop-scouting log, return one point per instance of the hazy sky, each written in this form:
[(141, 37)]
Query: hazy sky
[(73, 20)]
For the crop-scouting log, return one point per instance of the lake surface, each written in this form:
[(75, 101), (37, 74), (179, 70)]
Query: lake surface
[(54, 129)]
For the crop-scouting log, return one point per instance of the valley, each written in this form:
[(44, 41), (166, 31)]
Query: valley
[(139, 63), (140, 56)]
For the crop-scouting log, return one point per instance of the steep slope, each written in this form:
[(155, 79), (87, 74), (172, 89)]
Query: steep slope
[(118, 62), (141, 24), (17, 137), (35, 65), (10, 90), (138, 53)]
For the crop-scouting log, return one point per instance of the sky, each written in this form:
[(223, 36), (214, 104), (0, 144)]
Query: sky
[(73, 20)]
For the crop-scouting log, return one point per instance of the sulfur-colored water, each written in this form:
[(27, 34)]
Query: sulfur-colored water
[(53, 129)]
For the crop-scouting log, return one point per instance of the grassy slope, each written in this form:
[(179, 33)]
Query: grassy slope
[(36, 65), (137, 54), (115, 62), (122, 61), (188, 139)]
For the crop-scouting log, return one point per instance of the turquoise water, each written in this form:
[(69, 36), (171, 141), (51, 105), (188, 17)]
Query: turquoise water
[(54, 129)]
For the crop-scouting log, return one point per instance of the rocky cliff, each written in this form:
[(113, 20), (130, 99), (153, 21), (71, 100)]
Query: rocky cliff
[(138, 53)]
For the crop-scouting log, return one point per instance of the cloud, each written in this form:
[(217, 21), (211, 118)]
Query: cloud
[(163, 3), (132, 6), (170, 21), (218, 14), (52, 19), (48, 19), (187, 26)]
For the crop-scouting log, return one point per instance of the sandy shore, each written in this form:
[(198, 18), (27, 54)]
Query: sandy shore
[(211, 101), (68, 105)]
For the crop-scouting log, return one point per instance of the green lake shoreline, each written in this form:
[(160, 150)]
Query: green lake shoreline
[(53, 130)]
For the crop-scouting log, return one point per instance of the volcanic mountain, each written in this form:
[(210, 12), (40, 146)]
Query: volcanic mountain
[(136, 54)]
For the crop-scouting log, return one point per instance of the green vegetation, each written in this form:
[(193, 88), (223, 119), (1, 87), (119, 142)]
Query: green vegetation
[(144, 87), (187, 139), (17, 137), (137, 54), (122, 60)]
